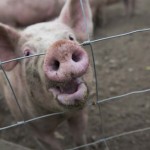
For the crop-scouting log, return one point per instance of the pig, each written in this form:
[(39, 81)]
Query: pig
[(26, 12), (99, 7), (57, 81), (21, 13), (129, 7)]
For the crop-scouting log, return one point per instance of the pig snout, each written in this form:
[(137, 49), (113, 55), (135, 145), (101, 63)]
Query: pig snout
[(65, 63), (65, 60)]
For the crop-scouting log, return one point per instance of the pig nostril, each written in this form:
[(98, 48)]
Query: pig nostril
[(55, 65), (76, 56)]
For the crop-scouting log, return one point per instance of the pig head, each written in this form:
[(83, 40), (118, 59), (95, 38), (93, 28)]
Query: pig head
[(57, 80)]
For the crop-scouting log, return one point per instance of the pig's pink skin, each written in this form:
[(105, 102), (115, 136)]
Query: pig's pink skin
[(65, 60), (27, 12), (36, 91)]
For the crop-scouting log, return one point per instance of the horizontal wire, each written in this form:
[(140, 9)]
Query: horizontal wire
[(100, 101), (20, 58), (111, 137), (84, 43), (123, 95), (115, 36), (30, 120)]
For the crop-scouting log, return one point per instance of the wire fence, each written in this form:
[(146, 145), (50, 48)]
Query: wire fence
[(98, 101)]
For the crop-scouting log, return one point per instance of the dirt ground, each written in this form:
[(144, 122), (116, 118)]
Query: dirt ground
[(122, 66)]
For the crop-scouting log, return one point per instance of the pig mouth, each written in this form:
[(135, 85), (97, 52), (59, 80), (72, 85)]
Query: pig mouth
[(71, 94)]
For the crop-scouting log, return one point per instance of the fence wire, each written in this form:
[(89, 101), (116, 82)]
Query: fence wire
[(98, 101)]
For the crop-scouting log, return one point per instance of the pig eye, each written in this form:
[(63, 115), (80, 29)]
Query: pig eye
[(71, 38), (27, 52)]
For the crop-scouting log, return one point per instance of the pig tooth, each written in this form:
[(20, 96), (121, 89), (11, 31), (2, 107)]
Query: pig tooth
[(79, 80), (55, 92)]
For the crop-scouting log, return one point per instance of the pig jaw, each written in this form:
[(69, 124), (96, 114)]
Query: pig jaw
[(71, 94), (65, 64)]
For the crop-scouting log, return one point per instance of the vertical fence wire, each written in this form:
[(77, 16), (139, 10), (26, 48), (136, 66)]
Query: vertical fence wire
[(95, 74), (16, 99)]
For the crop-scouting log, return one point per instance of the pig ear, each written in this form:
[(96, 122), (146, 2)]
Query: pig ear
[(72, 16), (8, 40)]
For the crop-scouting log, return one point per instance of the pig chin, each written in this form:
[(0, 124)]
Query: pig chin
[(71, 93)]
